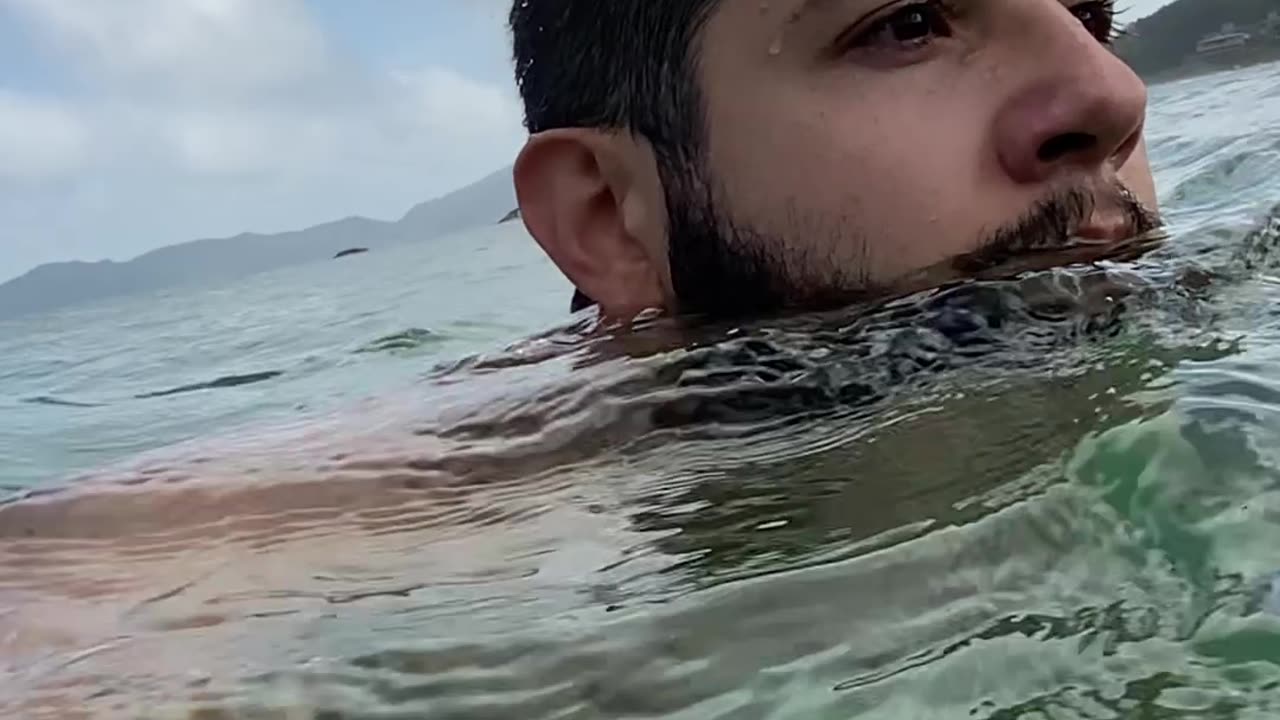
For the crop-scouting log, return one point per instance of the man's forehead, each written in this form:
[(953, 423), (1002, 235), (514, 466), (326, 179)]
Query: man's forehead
[(804, 8), (774, 16), (788, 11), (742, 36)]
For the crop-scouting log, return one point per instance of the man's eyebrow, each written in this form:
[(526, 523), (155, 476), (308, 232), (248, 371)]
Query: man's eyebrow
[(812, 7), (809, 7)]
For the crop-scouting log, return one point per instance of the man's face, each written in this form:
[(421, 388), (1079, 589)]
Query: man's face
[(852, 144)]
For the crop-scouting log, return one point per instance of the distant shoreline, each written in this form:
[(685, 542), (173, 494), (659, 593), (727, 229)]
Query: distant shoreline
[(1196, 66), (56, 285)]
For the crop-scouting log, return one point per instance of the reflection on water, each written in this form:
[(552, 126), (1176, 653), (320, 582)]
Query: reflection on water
[(1053, 496), (937, 506)]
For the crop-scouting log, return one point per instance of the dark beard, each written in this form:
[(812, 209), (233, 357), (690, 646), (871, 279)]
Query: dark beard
[(724, 269)]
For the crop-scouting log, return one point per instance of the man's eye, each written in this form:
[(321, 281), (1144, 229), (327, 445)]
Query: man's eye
[(908, 27), (1098, 17)]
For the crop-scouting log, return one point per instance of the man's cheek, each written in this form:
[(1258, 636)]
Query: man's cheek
[(1136, 175)]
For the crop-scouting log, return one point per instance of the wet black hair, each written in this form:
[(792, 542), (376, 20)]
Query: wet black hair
[(616, 64), (627, 65)]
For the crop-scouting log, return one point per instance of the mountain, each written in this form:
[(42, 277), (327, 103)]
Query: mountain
[(1163, 44), (57, 285)]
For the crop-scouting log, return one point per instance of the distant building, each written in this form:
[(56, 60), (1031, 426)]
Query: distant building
[(1226, 40), (1222, 42)]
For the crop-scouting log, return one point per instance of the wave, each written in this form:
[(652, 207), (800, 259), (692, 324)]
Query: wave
[(58, 402), (814, 479), (867, 500), (410, 339), (222, 382)]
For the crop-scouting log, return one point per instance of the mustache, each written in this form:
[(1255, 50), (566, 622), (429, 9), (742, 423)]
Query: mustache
[(1051, 226)]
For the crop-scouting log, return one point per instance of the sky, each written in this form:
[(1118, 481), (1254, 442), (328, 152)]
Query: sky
[(1135, 9), (126, 125)]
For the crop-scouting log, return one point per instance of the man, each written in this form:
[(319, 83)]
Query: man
[(724, 157), (709, 157)]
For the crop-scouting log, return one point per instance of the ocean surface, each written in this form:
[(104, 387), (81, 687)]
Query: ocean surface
[(407, 484)]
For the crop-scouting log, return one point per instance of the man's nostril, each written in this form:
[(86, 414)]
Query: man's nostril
[(1060, 146)]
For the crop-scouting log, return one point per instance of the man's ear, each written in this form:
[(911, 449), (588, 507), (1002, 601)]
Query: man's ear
[(573, 187)]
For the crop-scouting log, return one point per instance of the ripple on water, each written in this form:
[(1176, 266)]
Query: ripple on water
[(808, 516), (1050, 496)]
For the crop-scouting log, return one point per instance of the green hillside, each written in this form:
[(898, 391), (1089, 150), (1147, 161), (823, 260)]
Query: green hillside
[(1164, 43)]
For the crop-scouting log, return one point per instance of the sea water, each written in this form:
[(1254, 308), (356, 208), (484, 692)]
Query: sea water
[(406, 484)]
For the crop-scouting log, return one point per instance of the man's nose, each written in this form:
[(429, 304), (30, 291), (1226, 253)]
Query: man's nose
[(1080, 108)]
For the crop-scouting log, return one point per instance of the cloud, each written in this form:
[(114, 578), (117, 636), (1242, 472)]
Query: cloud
[(251, 85), (205, 48), (448, 102), (39, 139), (245, 142), (248, 105)]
